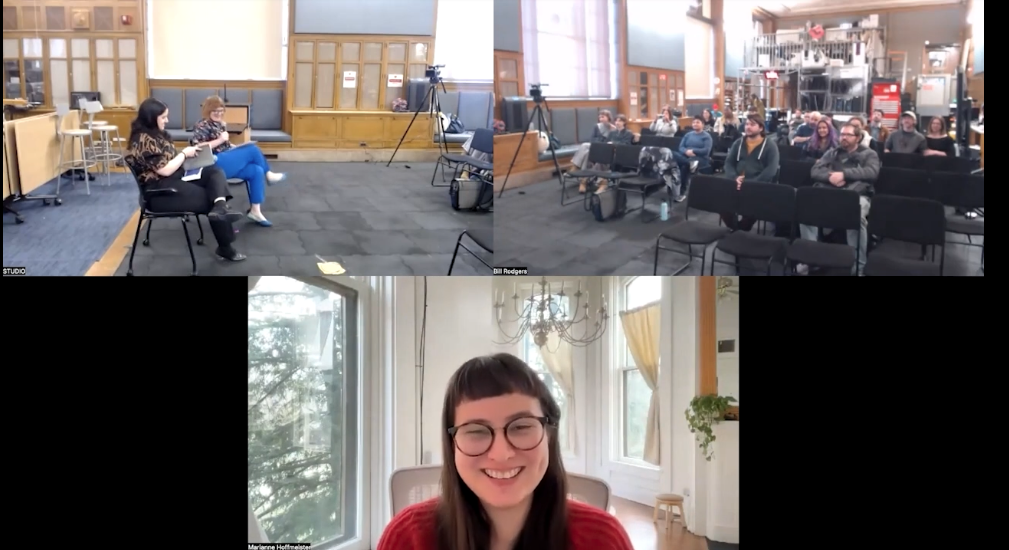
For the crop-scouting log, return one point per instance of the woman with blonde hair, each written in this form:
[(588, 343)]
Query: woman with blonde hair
[(244, 162)]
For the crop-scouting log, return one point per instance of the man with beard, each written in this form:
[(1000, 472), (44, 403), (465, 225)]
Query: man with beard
[(753, 158), (907, 139), (853, 167)]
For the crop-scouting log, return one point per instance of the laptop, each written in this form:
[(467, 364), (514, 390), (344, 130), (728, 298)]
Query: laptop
[(202, 159)]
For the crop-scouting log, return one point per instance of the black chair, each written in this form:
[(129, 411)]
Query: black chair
[(790, 153), (911, 220), (966, 193), (650, 140), (671, 143), (900, 182), (825, 208), (149, 216), (483, 142), (239, 181), (720, 152), (483, 238), (906, 161), (599, 153), (954, 165), (708, 194), (629, 156), (797, 174), (647, 132), (764, 202)]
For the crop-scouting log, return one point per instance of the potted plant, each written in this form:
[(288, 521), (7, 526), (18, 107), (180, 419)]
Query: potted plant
[(705, 411)]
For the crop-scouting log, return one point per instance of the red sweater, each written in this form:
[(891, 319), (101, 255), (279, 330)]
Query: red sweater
[(590, 529)]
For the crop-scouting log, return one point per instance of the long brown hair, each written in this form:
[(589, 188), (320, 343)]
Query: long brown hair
[(462, 522)]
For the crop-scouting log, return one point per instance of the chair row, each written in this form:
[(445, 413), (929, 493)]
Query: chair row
[(959, 165), (475, 110), (906, 219), (266, 110)]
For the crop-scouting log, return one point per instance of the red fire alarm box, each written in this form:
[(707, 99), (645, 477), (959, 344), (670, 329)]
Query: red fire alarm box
[(127, 19)]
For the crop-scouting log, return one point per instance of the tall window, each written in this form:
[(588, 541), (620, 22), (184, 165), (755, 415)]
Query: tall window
[(304, 410), (568, 44), (635, 395), (466, 51), (531, 354)]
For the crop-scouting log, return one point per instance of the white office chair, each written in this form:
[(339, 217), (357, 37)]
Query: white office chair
[(413, 485)]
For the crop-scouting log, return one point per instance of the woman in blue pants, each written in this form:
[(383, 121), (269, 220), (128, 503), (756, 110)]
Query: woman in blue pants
[(245, 162)]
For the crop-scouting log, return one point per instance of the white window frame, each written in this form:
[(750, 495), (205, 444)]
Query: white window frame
[(620, 361), (370, 401)]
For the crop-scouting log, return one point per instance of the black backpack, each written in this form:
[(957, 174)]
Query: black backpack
[(609, 204)]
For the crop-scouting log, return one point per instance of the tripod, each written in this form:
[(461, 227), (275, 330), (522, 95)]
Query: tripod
[(433, 103), (541, 122)]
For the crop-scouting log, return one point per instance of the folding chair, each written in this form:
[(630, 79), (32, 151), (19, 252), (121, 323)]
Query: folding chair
[(628, 157), (483, 141), (955, 165), (146, 214), (964, 193), (796, 174), (907, 161), (599, 153), (708, 194), (483, 238), (766, 202), (825, 208), (901, 182), (911, 220)]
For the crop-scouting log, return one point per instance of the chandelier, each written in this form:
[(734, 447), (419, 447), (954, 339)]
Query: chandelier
[(545, 312), (727, 288)]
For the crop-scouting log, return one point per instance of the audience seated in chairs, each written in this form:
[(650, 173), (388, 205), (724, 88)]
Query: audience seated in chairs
[(245, 163), (708, 118), (805, 132), (753, 158), (665, 125), (907, 139), (728, 125), (937, 139), (580, 161), (694, 154), (822, 141), (853, 167), (153, 158), (877, 130), (620, 135)]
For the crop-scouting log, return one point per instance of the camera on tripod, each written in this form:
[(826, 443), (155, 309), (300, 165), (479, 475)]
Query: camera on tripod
[(536, 91), (433, 73)]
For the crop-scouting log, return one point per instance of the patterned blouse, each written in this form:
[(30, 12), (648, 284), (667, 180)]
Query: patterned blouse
[(147, 155), (206, 131)]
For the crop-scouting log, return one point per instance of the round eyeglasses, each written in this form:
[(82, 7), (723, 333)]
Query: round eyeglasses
[(523, 434)]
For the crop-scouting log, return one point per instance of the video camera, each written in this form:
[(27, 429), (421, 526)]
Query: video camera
[(536, 91), (433, 73)]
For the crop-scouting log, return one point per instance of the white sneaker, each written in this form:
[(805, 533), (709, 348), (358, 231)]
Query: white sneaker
[(693, 166), (802, 269)]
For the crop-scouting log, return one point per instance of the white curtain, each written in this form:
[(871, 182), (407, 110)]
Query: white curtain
[(253, 281), (557, 357), (462, 42)]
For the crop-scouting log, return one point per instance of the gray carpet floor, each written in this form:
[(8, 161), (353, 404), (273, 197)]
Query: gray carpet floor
[(532, 230), (66, 240), (712, 545), (372, 219)]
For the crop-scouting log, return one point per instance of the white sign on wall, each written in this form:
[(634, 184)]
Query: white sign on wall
[(350, 79), (395, 81)]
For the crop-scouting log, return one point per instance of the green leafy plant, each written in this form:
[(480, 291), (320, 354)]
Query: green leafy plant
[(705, 411)]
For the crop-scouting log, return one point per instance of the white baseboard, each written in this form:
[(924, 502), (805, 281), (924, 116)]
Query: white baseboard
[(721, 533)]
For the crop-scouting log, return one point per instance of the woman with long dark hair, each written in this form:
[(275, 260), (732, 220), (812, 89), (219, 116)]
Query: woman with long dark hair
[(503, 484), (156, 163), (823, 140)]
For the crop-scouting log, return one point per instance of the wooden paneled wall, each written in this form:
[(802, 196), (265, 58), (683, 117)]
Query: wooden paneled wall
[(81, 16)]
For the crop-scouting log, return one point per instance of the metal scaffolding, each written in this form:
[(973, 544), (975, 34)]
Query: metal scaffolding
[(833, 74)]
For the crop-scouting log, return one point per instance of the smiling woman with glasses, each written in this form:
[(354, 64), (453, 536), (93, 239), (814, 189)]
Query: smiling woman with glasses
[(503, 484), (244, 162)]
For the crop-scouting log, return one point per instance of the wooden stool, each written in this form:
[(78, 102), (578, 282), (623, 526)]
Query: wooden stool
[(668, 503)]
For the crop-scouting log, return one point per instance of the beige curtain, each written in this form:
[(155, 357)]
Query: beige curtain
[(253, 281), (256, 533), (641, 330), (557, 356)]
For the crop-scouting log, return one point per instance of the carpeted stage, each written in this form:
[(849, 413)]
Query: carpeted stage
[(534, 231), (371, 219)]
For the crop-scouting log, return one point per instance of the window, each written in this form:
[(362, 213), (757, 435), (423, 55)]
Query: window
[(303, 411), (568, 44), (531, 355), (467, 56), (635, 395), (700, 55)]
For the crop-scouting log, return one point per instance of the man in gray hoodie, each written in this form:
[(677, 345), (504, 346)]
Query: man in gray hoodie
[(853, 167), (907, 139)]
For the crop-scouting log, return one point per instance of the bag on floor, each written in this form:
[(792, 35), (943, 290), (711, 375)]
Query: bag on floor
[(455, 126), (465, 194), (608, 205)]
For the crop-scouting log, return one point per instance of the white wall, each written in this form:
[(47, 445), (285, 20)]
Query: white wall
[(727, 314)]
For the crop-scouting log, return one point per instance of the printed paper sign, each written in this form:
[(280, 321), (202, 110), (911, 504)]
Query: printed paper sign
[(395, 81), (350, 79), (634, 103)]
